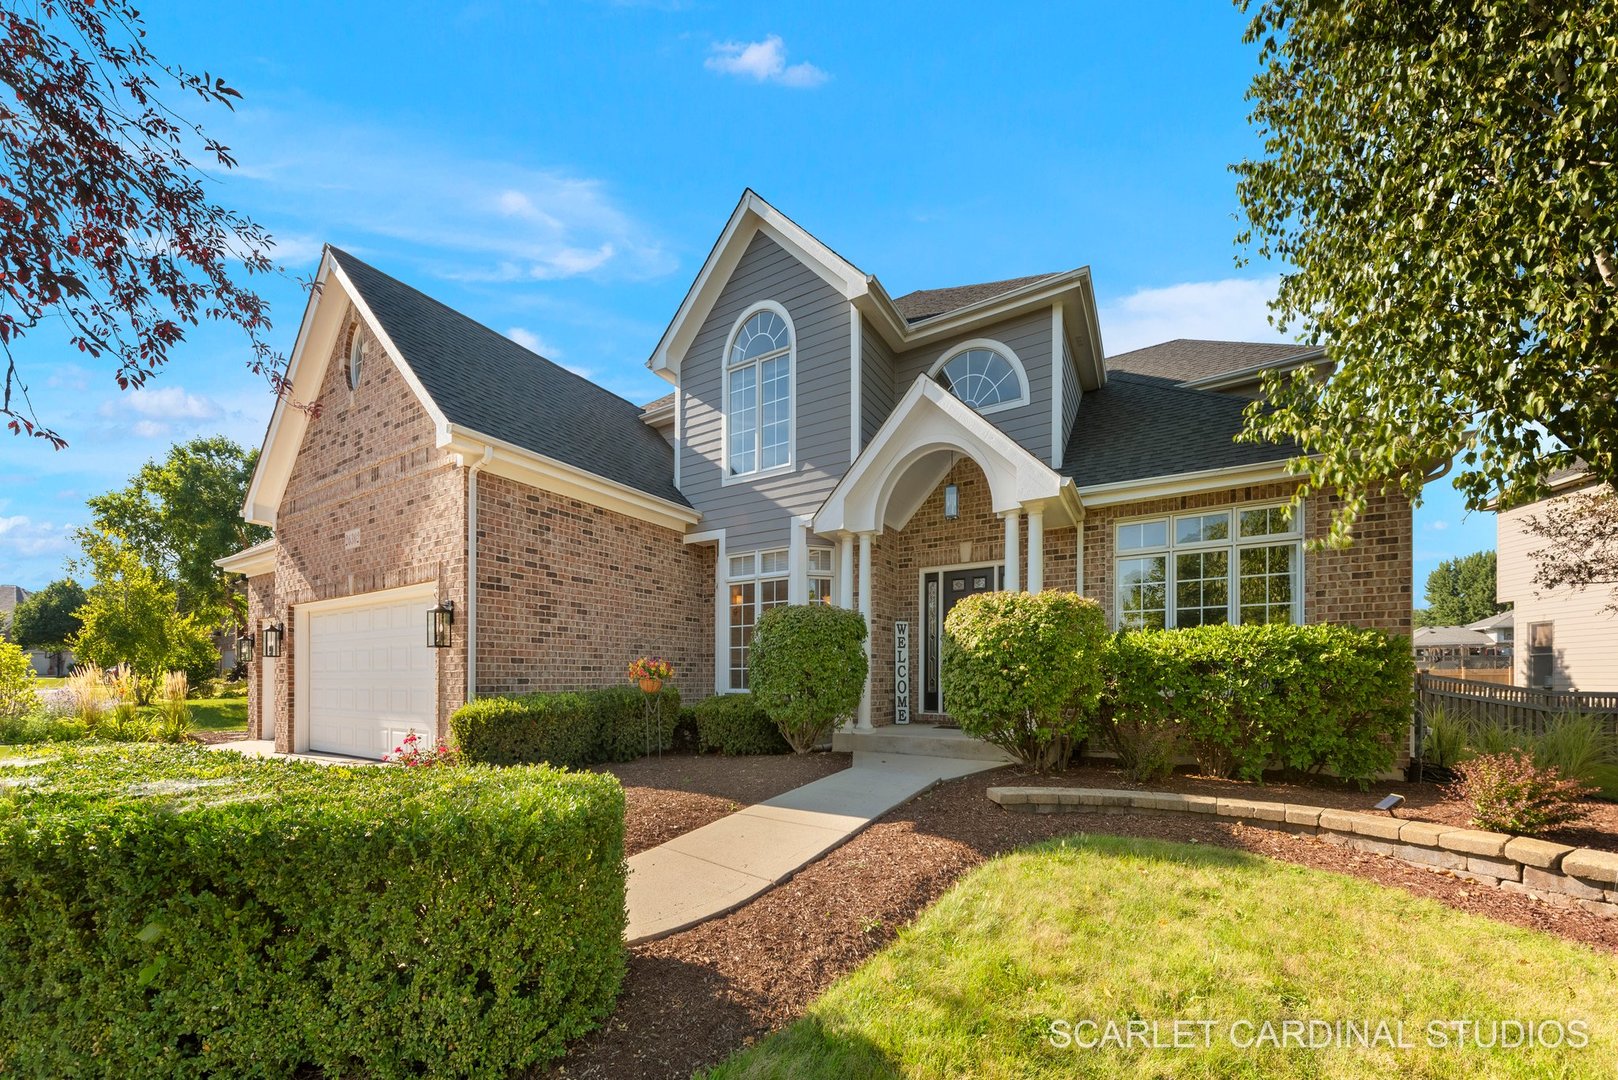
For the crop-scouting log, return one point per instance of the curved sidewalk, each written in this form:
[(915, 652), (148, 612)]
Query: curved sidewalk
[(717, 868)]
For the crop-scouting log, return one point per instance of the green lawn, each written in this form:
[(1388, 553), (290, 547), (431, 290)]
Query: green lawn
[(219, 714), (1106, 929)]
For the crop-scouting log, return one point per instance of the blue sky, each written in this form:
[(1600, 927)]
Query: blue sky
[(560, 171)]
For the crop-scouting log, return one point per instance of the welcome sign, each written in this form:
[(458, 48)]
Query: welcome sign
[(901, 672)]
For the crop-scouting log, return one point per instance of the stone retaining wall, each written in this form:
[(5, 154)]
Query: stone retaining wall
[(1554, 873)]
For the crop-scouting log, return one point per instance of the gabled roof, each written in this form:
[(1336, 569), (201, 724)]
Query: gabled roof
[(928, 303), (1502, 619), (1449, 637), (483, 381), (1137, 428), (1193, 359)]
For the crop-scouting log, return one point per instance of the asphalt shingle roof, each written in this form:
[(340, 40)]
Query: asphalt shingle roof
[(928, 303), (1189, 359), (1136, 427), (484, 381)]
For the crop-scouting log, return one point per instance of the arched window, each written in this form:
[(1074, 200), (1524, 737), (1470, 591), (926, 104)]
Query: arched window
[(984, 374), (758, 393)]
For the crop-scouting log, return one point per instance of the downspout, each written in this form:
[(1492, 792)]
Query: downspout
[(472, 572)]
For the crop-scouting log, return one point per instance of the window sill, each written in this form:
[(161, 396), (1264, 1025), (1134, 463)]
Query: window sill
[(747, 478)]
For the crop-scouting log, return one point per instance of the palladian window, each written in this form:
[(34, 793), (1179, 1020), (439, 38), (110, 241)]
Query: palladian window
[(758, 397)]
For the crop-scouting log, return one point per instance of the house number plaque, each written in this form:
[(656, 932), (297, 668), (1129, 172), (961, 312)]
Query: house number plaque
[(901, 672)]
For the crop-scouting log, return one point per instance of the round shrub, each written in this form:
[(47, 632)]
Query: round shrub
[(737, 724), (808, 669), (1022, 670)]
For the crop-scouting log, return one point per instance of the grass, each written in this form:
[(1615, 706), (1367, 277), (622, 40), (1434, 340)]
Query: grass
[(1110, 929), (45, 682), (219, 714)]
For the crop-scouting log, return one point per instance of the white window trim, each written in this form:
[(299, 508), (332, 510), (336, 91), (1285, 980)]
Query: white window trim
[(995, 346), (756, 578), (1234, 544), (726, 478)]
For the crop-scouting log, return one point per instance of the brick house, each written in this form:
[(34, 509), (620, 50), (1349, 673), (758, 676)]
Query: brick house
[(823, 442)]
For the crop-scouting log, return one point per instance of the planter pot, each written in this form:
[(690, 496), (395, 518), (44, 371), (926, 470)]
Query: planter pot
[(651, 686)]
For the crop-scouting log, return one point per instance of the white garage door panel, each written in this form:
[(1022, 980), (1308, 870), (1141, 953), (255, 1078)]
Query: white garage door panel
[(370, 678)]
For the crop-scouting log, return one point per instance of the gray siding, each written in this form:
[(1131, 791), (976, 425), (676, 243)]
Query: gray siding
[(1029, 336), (1070, 392), (755, 513), (877, 389)]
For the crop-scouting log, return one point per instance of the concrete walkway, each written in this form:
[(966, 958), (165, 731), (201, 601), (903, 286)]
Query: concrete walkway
[(717, 868), (265, 748)]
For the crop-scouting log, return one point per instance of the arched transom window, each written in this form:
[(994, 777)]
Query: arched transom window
[(983, 376), (758, 409)]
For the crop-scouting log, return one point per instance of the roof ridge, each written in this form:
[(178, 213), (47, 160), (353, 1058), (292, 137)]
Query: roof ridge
[(483, 326)]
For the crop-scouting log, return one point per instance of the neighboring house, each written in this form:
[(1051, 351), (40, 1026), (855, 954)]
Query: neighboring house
[(1462, 652), (43, 663), (824, 442), (1565, 638), (1499, 627)]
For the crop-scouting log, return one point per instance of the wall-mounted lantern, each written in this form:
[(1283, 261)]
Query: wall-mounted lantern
[(952, 502), (438, 623), (244, 648), (270, 639)]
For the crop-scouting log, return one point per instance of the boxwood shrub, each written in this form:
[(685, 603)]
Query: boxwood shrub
[(1023, 671), (808, 669), (573, 728), (1241, 699), (737, 724), (169, 911)]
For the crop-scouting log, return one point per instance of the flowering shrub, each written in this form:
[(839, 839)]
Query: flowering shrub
[(650, 667), (412, 754), (1509, 793)]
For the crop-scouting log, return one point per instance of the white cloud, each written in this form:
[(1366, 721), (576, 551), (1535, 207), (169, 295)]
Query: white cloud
[(164, 403), (1234, 309), (763, 61), (469, 218), (23, 537), (68, 377), (533, 343)]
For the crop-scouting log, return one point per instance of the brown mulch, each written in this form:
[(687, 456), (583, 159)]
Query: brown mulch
[(1423, 801), (692, 999), (676, 793), (213, 737)]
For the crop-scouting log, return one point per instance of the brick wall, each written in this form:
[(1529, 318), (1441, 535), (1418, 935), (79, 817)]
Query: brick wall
[(371, 504), (569, 593)]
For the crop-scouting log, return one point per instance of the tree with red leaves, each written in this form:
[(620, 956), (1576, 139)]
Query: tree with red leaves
[(106, 223)]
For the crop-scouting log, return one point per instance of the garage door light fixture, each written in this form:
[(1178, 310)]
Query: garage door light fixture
[(438, 623), (271, 639), (244, 648)]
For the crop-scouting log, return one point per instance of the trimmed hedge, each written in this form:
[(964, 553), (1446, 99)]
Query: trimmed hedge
[(1023, 671), (177, 912), (737, 724), (808, 669), (573, 728), (1241, 699)]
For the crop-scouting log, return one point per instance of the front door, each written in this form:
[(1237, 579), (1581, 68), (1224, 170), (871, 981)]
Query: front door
[(940, 591)]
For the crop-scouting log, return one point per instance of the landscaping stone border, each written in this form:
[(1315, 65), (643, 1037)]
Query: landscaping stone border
[(1554, 873)]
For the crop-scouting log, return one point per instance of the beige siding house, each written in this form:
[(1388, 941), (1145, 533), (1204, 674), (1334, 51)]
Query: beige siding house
[(823, 442), (1563, 637)]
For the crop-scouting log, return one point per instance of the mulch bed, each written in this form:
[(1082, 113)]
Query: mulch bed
[(673, 794), (213, 737), (693, 998)]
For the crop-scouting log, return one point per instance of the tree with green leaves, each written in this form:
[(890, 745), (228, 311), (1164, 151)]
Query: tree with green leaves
[(129, 617), (1439, 183), (182, 513), (49, 619), (1461, 591)]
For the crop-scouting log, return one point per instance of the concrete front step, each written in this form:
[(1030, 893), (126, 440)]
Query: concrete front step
[(919, 739)]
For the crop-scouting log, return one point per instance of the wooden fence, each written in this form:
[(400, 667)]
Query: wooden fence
[(1517, 708)]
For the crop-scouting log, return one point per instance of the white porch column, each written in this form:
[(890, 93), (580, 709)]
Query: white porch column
[(845, 572), (798, 562), (1036, 550), (864, 720), (1013, 560)]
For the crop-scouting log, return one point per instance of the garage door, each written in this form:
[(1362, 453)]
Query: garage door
[(371, 677)]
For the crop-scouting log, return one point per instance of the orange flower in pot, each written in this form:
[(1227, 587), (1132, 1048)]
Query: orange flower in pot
[(650, 672)]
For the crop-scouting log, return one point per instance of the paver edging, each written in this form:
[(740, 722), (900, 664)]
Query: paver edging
[(1551, 872)]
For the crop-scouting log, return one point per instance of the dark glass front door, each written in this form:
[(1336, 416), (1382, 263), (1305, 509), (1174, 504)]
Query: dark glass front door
[(940, 591)]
